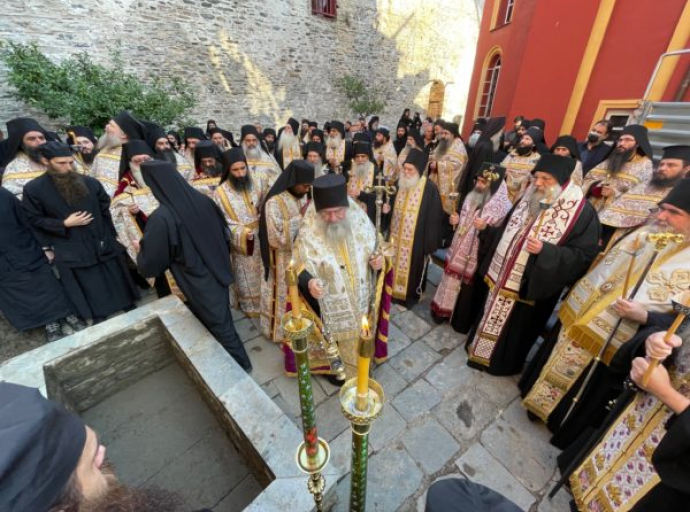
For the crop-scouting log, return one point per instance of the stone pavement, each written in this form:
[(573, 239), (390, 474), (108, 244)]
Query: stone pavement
[(441, 418)]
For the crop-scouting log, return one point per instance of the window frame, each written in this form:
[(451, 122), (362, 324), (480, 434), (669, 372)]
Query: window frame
[(493, 66), (325, 8)]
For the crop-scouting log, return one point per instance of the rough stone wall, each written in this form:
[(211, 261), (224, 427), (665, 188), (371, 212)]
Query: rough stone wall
[(263, 61)]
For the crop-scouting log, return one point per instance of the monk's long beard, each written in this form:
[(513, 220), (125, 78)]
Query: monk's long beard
[(70, 186), (253, 153), (619, 158), (361, 171), (335, 232), (109, 141), (476, 200), (537, 198), (405, 183), (442, 148), (524, 150), (318, 168), (32, 153), (138, 176), (334, 142), (287, 140), (167, 155), (212, 171), (243, 184)]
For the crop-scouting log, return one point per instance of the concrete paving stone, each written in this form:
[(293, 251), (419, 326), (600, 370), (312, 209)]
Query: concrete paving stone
[(443, 339), (241, 496), (237, 314), (430, 445), (451, 372), (393, 477), (246, 329), (289, 391), (208, 471), (465, 413), (328, 388), (480, 466), (423, 308), (342, 493), (386, 428), (330, 420), (418, 399), (410, 324), (559, 503), (534, 463), (270, 389), (341, 450), (390, 380), (267, 359), (397, 340), (414, 360)]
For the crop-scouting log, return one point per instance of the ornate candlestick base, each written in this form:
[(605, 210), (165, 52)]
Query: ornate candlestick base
[(313, 453), (361, 423)]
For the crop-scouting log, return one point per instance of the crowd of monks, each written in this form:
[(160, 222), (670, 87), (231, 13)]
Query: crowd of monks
[(561, 264)]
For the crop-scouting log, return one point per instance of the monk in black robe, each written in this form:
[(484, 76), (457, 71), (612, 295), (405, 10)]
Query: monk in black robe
[(70, 215), (30, 294), (188, 235), (415, 229), (545, 244)]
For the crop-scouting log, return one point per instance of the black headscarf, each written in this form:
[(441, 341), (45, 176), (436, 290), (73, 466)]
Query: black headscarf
[(17, 128), (154, 133), (568, 141), (199, 215), (79, 131), (641, 135), (299, 172), (130, 125), (418, 139), (131, 149), (206, 149), (399, 143), (317, 133), (418, 158), (232, 156), (177, 138), (41, 446), (294, 124), (560, 167), (492, 126)]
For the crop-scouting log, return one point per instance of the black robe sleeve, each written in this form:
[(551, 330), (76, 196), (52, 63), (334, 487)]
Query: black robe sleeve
[(156, 253), (671, 459), (44, 227), (558, 266), (433, 218), (104, 202)]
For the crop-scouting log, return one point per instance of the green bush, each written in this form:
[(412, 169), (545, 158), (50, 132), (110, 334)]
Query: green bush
[(79, 91), (362, 98)]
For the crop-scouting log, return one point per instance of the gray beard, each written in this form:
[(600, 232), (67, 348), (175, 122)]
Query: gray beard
[(361, 171), (252, 153), (334, 233), (537, 197), (136, 172), (478, 199), (109, 141), (334, 142), (286, 140), (405, 183), (442, 148), (318, 168)]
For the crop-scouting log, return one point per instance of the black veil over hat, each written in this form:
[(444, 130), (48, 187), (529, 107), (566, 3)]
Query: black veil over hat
[(193, 132), (54, 149), (568, 141), (362, 147), (299, 172), (679, 196), (154, 132), (338, 126), (199, 215), (492, 127), (294, 124), (130, 149), (315, 146), (250, 129), (130, 125), (206, 149), (493, 172), (641, 135), (17, 128), (41, 446), (418, 158), (232, 156), (79, 131)]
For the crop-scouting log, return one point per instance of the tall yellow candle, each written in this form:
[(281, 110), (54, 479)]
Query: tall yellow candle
[(363, 361), (291, 278)]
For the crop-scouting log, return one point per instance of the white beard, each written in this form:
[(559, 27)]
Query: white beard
[(405, 183), (252, 153), (334, 142), (287, 140), (318, 168), (138, 176), (537, 197), (109, 141), (361, 171), (335, 232), (478, 199)]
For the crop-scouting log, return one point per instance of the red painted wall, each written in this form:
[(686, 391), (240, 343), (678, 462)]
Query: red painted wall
[(542, 53)]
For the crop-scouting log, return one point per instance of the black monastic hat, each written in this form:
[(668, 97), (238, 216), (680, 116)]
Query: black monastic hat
[(79, 131), (338, 126), (418, 158), (17, 128), (560, 167), (194, 132), (314, 146), (250, 129), (330, 191), (42, 444), (131, 149), (679, 152), (54, 149), (568, 141), (130, 125), (206, 149), (679, 196)]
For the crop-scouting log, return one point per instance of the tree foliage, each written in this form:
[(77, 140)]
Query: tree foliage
[(363, 99), (77, 90)]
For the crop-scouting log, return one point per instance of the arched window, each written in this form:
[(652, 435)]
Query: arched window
[(488, 86)]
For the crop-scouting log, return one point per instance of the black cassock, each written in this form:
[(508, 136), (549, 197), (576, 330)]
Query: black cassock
[(545, 277), (30, 294), (188, 235), (90, 261), (427, 239)]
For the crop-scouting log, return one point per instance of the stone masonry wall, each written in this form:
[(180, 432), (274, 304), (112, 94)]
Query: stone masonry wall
[(264, 60)]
